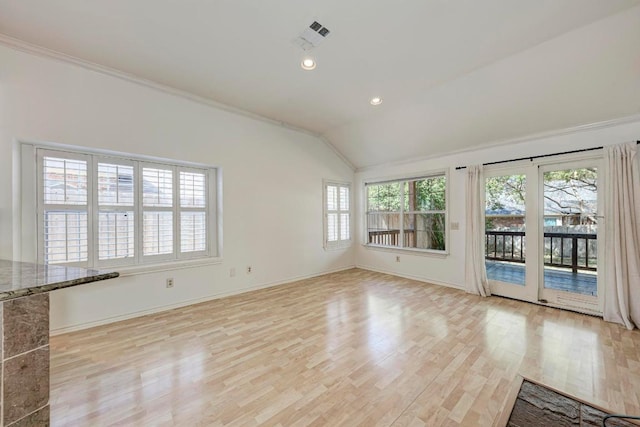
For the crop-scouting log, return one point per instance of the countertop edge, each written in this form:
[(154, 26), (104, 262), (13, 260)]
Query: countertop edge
[(18, 293)]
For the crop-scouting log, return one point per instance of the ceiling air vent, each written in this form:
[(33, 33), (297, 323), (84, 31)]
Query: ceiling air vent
[(311, 36)]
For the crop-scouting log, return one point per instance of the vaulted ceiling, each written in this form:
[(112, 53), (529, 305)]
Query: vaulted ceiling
[(453, 74)]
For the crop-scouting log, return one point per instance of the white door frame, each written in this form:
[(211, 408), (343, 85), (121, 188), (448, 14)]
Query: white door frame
[(563, 299), (528, 292), (534, 290)]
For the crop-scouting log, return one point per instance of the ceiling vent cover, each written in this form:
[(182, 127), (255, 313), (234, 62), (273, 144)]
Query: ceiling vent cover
[(312, 36)]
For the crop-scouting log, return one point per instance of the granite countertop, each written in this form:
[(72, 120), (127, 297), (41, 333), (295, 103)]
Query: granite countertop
[(19, 279)]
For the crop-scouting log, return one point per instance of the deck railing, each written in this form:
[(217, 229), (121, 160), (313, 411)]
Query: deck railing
[(391, 238), (509, 246)]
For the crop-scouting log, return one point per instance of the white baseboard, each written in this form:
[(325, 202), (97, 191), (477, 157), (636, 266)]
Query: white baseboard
[(412, 277), (158, 309)]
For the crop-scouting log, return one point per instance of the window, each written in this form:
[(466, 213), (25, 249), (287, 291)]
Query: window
[(337, 214), (409, 213), (99, 211)]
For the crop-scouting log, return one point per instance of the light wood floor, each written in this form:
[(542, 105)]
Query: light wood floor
[(351, 348)]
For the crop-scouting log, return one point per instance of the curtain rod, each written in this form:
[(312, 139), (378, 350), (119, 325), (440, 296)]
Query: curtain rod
[(538, 157)]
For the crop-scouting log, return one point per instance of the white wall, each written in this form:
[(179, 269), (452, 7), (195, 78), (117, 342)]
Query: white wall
[(272, 181), (449, 270)]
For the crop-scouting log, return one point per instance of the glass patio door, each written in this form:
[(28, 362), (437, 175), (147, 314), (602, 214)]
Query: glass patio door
[(542, 233), (508, 234), (570, 230)]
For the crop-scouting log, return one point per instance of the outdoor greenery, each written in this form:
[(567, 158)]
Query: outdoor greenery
[(430, 195), (570, 191), (421, 196), (566, 192), (503, 192)]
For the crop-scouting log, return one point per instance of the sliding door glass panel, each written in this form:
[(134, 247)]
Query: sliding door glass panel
[(505, 228), (570, 243)]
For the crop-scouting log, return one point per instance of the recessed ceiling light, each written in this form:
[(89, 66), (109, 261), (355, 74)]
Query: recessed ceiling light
[(308, 64), (376, 100)]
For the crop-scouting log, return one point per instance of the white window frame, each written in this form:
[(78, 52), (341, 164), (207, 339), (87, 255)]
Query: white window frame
[(31, 197), (96, 210), (207, 210), (173, 209), (340, 243), (401, 248), (62, 207)]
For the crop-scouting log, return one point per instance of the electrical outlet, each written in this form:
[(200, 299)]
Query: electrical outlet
[(455, 226), (170, 283), (249, 270), (232, 272), (398, 258)]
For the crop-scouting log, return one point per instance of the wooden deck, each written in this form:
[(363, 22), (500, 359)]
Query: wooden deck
[(584, 283), (354, 348)]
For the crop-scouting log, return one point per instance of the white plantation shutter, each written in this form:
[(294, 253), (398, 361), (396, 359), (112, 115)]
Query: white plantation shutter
[(157, 187), (64, 187), (193, 231), (157, 232), (116, 211), (193, 191), (344, 198), (157, 207), (337, 214), (345, 232), (100, 210), (332, 213), (65, 236), (332, 227), (116, 237), (193, 211)]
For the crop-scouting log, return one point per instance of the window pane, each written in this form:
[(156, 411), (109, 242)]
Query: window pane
[(157, 233), (65, 181), (344, 227), (115, 235), (192, 190), (383, 229), (193, 231), (424, 231), (65, 236), (427, 194), (332, 198), (384, 197), (344, 199), (157, 187), (332, 227), (115, 185)]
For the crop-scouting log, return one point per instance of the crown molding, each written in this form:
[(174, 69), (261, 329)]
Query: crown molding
[(36, 50), (527, 138)]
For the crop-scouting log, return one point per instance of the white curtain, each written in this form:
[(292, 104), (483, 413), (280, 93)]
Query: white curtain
[(475, 271), (622, 250)]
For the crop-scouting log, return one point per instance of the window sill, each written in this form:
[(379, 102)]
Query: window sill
[(338, 247), (420, 252), (167, 266)]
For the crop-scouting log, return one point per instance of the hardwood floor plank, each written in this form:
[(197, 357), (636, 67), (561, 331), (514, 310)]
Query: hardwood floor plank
[(350, 348)]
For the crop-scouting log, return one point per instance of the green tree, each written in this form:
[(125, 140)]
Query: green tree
[(430, 195), (505, 189), (567, 190)]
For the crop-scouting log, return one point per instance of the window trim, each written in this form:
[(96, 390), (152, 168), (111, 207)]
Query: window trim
[(209, 218), (40, 206), (118, 262), (27, 191), (340, 243), (404, 178), (175, 254)]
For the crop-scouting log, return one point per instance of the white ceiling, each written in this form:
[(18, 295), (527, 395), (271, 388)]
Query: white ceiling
[(453, 74)]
